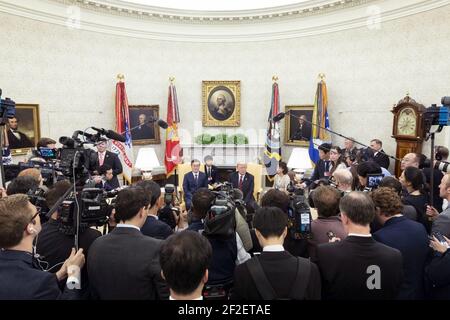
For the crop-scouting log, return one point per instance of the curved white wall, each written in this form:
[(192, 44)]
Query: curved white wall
[(71, 73)]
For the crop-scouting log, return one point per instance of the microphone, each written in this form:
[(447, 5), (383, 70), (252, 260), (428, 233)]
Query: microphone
[(90, 136), (279, 117), (162, 124), (110, 134)]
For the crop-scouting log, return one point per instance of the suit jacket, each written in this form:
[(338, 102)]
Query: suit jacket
[(442, 223), (319, 229), (23, 142), (156, 228), (248, 186), (143, 132), (124, 264), (411, 239), (189, 185), (20, 280), (214, 174), (280, 269), (382, 159), (346, 269), (110, 159), (438, 277), (303, 133), (319, 170)]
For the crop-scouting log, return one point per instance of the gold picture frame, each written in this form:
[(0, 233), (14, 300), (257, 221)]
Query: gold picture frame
[(221, 103), (28, 128), (149, 132), (293, 134)]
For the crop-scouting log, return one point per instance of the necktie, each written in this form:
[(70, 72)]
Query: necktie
[(241, 178), (327, 166), (195, 179), (209, 172), (101, 158)]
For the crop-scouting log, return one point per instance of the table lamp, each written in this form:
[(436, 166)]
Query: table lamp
[(146, 161)]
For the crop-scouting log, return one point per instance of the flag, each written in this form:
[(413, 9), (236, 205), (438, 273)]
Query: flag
[(272, 154), (320, 120), (173, 148), (123, 149)]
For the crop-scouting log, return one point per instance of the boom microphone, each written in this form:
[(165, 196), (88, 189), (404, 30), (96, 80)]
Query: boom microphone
[(162, 124), (110, 134)]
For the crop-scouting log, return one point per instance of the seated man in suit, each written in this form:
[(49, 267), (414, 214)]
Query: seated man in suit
[(379, 156), (244, 181), (211, 170), (20, 280), (193, 181), (185, 258), (326, 201), (153, 227), (124, 264), (323, 166), (16, 138), (358, 267), (409, 237), (275, 274), (101, 157)]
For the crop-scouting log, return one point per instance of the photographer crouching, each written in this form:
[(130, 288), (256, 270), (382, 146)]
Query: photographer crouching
[(20, 278)]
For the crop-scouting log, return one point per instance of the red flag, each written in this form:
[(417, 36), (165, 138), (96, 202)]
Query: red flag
[(173, 149), (123, 149)]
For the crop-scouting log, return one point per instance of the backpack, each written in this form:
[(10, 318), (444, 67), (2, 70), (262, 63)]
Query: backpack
[(298, 289)]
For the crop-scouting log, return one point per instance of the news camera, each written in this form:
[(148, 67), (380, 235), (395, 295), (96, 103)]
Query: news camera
[(165, 214), (437, 115), (37, 198), (299, 214), (373, 181)]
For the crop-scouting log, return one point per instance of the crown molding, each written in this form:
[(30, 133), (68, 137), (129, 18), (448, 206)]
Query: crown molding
[(292, 21)]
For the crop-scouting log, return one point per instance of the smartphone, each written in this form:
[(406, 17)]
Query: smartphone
[(440, 237)]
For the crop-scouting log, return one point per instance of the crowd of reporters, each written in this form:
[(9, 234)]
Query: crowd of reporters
[(381, 241)]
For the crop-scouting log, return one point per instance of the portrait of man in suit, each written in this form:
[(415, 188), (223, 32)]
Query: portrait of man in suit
[(23, 131), (144, 129), (298, 125)]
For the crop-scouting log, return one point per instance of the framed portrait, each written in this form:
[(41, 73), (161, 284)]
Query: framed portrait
[(221, 103), (23, 131), (297, 130), (144, 132)]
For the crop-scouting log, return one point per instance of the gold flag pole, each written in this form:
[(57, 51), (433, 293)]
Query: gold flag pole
[(275, 78), (321, 77), (120, 77), (172, 79)]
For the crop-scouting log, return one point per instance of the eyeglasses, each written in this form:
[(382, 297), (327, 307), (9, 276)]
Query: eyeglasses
[(38, 211)]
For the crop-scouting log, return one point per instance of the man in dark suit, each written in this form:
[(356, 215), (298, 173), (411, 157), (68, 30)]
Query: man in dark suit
[(212, 172), (101, 157), (17, 139), (323, 166), (153, 227), (358, 267), (379, 156), (124, 264), (193, 181), (304, 130), (409, 237), (20, 279), (144, 130), (441, 221), (275, 274), (245, 182)]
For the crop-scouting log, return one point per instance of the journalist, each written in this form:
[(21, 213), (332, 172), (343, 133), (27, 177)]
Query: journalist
[(20, 279), (22, 185)]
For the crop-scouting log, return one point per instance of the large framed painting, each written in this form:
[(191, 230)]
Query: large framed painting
[(297, 130), (23, 131), (221, 103), (144, 130)]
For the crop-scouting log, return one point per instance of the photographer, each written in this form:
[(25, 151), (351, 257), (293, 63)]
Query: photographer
[(20, 280), (53, 245), (103, 180), (328, 224), (366, 169), (124, 264), (153, 227), (22, 185)]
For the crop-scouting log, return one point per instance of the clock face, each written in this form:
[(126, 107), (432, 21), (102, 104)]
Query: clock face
[(407, 121)]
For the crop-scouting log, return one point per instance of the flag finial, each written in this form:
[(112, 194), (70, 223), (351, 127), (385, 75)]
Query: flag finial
[(120, 77), (171, 79), (321, 76), (274, 78)]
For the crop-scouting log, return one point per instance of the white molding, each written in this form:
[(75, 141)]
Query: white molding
[(305, 19)]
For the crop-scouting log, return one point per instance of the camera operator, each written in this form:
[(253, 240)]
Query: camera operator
[(153, 227), (34, 173), (124, 264), (19, 226), (47, 143), (227, 251), (101, 157), (102, 181), (53, 245), (328, 225), (275, 274), (405, 235), (22, 185), (185, 258), (366, 169)]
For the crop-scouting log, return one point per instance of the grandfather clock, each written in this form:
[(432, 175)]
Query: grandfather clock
[(408, 129)]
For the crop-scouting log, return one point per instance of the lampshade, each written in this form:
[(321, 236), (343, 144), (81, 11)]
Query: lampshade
[(147, 159), (299, 159)]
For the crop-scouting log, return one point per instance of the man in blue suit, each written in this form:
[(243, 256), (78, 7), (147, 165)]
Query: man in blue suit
[(193, 181), (406, 235)]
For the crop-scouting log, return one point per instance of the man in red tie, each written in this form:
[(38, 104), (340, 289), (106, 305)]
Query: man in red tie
[(245, 182), (102, 157)]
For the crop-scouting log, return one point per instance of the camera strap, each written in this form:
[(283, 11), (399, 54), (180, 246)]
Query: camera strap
[(259, 278)]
